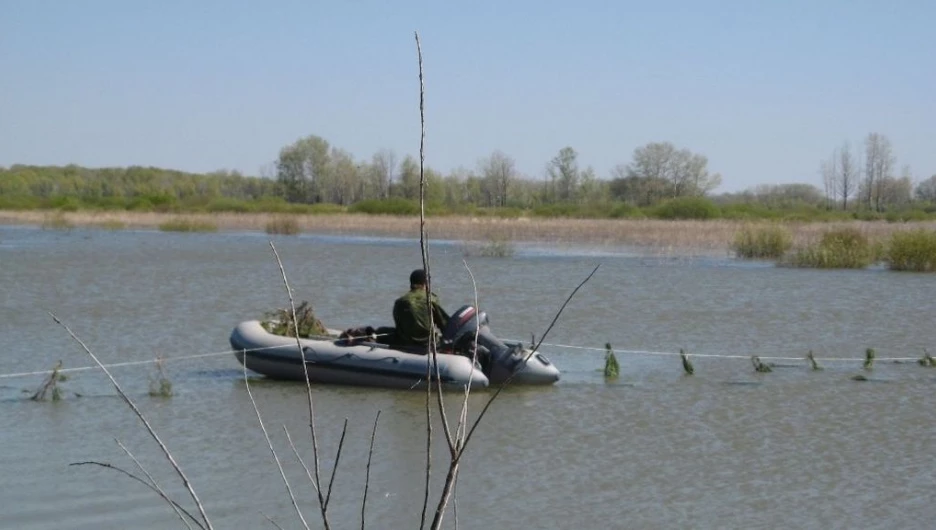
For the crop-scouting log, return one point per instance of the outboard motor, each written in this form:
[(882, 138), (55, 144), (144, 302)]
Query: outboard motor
[(501, 360)]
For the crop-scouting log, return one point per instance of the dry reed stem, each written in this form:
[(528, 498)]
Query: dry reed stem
[(305, 369), (370, 454), (175, 506), (276, 459), (149, 428)]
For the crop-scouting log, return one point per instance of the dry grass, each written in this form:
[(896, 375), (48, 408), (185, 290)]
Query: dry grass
[(654, 235)]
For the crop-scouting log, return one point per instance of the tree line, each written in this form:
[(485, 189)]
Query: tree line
[(311, 172)]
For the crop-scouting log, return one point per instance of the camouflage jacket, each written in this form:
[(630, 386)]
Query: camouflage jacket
[(412, 319)]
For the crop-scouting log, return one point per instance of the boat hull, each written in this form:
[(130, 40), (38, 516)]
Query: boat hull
[(329, 362)]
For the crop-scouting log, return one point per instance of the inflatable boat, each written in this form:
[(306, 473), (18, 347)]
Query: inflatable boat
[(364, 360)]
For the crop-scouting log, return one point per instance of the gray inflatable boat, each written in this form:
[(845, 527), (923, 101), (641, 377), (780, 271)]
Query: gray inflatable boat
[(364, 361)]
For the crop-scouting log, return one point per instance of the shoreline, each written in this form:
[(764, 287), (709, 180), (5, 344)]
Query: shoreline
[(654, 235)]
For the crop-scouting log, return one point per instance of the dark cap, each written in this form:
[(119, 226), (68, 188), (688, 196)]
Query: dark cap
[(417, 277)]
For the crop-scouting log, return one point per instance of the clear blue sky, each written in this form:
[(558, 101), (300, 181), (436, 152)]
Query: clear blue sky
[(765, 89)]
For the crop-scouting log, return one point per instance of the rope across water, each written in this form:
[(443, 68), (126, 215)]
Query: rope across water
[(553, 345)]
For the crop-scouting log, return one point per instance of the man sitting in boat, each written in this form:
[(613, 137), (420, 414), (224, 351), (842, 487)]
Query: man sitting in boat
[(410, 315)]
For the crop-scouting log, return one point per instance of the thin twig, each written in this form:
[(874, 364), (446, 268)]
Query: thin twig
[(155, 485), (149, 428), (463, 417), (425, 260), (305, 369), (331, 482), (141, 481), (370, 454), (452, 474), (535, 348), (272, 522), (299, 458), (279, 464)]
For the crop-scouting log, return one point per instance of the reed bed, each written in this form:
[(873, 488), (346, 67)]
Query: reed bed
[(186, 224), (683, 237), (765, 242), (283, 225), (842, 248), (912, 251)]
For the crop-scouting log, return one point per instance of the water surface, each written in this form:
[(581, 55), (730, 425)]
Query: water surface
[(726, 448)]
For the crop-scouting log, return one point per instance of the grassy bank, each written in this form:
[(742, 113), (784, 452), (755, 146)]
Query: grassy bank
[(655, 235)]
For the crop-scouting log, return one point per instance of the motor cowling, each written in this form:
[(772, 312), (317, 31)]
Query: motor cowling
[(460, 334)]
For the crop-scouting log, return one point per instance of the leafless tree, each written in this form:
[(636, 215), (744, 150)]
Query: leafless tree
[(385, 163), (847, 179), (829, 171), (879, 164), (498, 172)]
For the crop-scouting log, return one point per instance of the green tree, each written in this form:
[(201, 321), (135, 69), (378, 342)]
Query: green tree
[(302, 168), (563, 175), (685, 172)]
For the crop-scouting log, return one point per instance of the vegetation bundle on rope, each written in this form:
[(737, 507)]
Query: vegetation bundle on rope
[(687, 366), (869, 358), (160, 385), (759, 366), (812, 361), (51, 385), (612, 369), (927, 360)]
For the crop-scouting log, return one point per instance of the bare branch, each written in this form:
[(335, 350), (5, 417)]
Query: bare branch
[(155, 485), (299, 458), (305, 369), (535, 348), (149, 428), (425, 260), (141, 481), (279, 464), (462, 428), (370, 454), (331, 482)]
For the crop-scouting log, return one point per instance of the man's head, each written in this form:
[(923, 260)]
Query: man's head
[(417, 278)]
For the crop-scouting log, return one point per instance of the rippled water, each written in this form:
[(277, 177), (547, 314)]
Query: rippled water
[(726, 448)]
